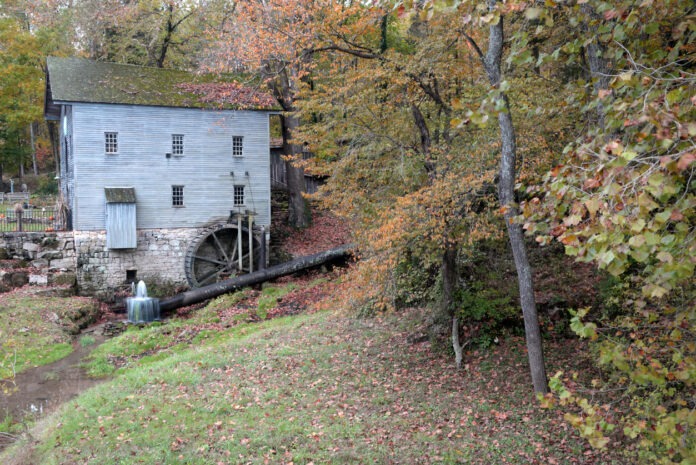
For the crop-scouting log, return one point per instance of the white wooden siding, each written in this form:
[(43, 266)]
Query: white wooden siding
[(144, 139), (67, 165), (120, 226)]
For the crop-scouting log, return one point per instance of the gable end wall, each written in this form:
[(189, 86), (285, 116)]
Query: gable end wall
[(144, 139)]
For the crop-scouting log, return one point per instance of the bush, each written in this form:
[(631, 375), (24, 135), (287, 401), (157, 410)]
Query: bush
[(414, 283), (487, 312), (47, 185)]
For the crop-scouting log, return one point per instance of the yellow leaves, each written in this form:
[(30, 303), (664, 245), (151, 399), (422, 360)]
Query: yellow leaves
[(638, 225), (646, 202), (593, 204), (570, 239), (626, 76), (491, 18), (572, 220), (665, 257)]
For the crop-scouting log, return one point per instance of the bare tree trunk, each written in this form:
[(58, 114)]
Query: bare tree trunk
[(298, 216), (21, 159), (281, 81), (55, 144), (598, 64), (170, 28), (449, 287), (456, 345), (32, 136), (506, 196)]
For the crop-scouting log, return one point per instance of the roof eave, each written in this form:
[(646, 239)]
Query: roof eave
[(211, 108)]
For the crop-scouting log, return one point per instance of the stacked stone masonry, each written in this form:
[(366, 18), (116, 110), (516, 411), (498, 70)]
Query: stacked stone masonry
[(55, 251), (50, 257), (159, 256)]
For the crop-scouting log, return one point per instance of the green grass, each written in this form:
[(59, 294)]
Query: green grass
[(146, 343), (312, 388), (269, 298), (87, 340), (34, 330), (26, 227), (143, 343)]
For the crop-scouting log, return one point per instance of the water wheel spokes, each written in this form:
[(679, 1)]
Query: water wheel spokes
[(214, 255), (210, 277), (210, 260), (220, 247)]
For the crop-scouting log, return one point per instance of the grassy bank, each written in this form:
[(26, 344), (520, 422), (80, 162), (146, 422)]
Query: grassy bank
[(37, 330), (318, 388)]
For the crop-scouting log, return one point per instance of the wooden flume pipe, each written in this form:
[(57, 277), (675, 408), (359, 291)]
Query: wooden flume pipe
[(213, 290)]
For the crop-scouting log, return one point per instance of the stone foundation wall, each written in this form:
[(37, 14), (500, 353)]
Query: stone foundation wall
[(54, 251), (159, 258), (43, 258), (82, 255)]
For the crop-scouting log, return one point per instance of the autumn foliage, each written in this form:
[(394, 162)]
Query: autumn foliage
[(623, 198), (394, 101)]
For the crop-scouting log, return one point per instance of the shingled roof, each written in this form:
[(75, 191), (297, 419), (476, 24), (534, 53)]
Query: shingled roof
[(80, 80)]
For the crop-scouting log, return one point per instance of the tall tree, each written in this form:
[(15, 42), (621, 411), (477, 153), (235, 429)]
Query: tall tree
[(491, 61), (415, 84), (271, 38), (21, 91), (623, 197), (143, 32)]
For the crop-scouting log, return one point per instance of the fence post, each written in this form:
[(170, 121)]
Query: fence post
[(18, 213)]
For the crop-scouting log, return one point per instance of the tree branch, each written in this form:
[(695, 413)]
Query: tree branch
[(473, 44)]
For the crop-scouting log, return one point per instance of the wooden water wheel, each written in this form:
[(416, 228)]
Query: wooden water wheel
[(215, 255)]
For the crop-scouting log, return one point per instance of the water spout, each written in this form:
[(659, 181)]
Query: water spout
[(141, 308), (141, 290)]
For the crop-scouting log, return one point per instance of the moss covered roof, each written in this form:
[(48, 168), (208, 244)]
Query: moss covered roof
[(80, 80), (119, 194)]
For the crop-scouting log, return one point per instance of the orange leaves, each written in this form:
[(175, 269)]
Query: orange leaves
[(230, 93), (556, 170), (676, 215), (591, 183), (686, 160)]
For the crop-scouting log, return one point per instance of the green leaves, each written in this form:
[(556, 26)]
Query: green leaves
[(622, 197), (584, 330)]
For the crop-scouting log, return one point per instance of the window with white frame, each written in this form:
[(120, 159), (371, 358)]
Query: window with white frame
[(177, 196), (177, 144), (237, 146), (111, 142), (238, 199)]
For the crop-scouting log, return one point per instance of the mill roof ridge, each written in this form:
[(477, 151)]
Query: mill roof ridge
[(82, 80)]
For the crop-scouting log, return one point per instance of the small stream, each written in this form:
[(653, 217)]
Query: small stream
[(42, 389)]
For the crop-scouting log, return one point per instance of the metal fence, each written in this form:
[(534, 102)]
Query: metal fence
[(31, 219)]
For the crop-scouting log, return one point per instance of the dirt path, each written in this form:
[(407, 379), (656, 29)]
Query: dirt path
[(40, 390)]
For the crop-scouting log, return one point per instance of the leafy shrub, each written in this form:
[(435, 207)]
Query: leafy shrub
[(487, 312), (46, 186), (414, 283)]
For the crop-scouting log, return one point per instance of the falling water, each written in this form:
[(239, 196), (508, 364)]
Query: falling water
[(141, 308)]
